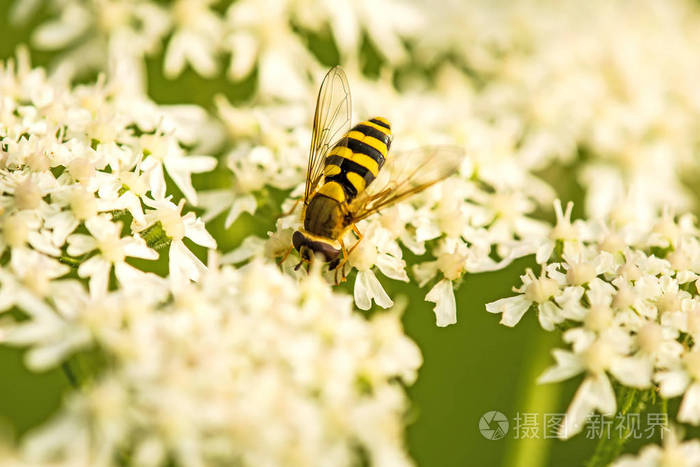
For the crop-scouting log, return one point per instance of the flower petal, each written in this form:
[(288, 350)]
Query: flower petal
[(243, 204), (97, 270), (183, 263), (594, 393), (568, 364), (79, 244), (672, 383), (368, 288), (136, 247), (392, 267), (632, 371), (195, 231), (689, 411), (443, 295), (513, 309)]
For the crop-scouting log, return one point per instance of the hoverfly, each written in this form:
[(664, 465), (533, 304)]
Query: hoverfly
[(350, 175)]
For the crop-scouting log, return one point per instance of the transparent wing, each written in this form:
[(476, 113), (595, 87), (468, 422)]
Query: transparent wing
[(331, 123), (404, 175)]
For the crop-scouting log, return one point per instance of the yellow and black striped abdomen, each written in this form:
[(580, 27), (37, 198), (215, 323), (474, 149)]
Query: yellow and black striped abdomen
[(354, 163)]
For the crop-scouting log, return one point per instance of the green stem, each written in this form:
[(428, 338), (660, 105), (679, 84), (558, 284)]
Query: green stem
[(664, 410), (70, 375), (82, 368), (118, 214), (609, 447), (539, 399), (70, 261)]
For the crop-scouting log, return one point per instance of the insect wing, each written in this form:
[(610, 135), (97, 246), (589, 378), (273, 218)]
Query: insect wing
[(331, 123), (404, 175)]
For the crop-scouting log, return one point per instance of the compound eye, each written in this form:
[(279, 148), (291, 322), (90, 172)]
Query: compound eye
[(298, 240)]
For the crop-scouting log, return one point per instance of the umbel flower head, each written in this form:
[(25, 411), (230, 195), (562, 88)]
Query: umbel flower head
[(627, 300), (248, 366), (82, 177), (672, 452)]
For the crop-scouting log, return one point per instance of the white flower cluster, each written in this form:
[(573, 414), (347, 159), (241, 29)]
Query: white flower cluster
[(248, 367), (627, 299), (520, 110), (673, 452), (608, 85), (199, 33), (88, 175), (572, 84), (82, 182), (475, 221)]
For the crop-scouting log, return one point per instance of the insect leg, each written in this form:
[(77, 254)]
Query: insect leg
[(359, 239), (357, 232), (286, 255), (342, 263), (291, 210), (346, 257)]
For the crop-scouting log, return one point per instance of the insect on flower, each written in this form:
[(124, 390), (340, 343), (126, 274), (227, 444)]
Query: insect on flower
[(350, 176)]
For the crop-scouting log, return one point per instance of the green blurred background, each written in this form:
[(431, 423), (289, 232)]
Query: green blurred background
[(469, 368)]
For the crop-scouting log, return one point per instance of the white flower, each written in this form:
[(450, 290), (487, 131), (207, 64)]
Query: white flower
[(73, 159), (534, 290), (375, 248), (82, 206), (673, 452), (112, 251), (124, 187), (595, 392), (92, 31), (22, 228), (35, 272), (268, 41), (24, 192), (182, 262), (214, 202), (349, 19), (442, 294), (564, 230), (684, 379), (164, 152), (252, 167), (305, 378), (451, 263), (195, 40), (368, 288), (659, 345), (635, 310), (48, 330)]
